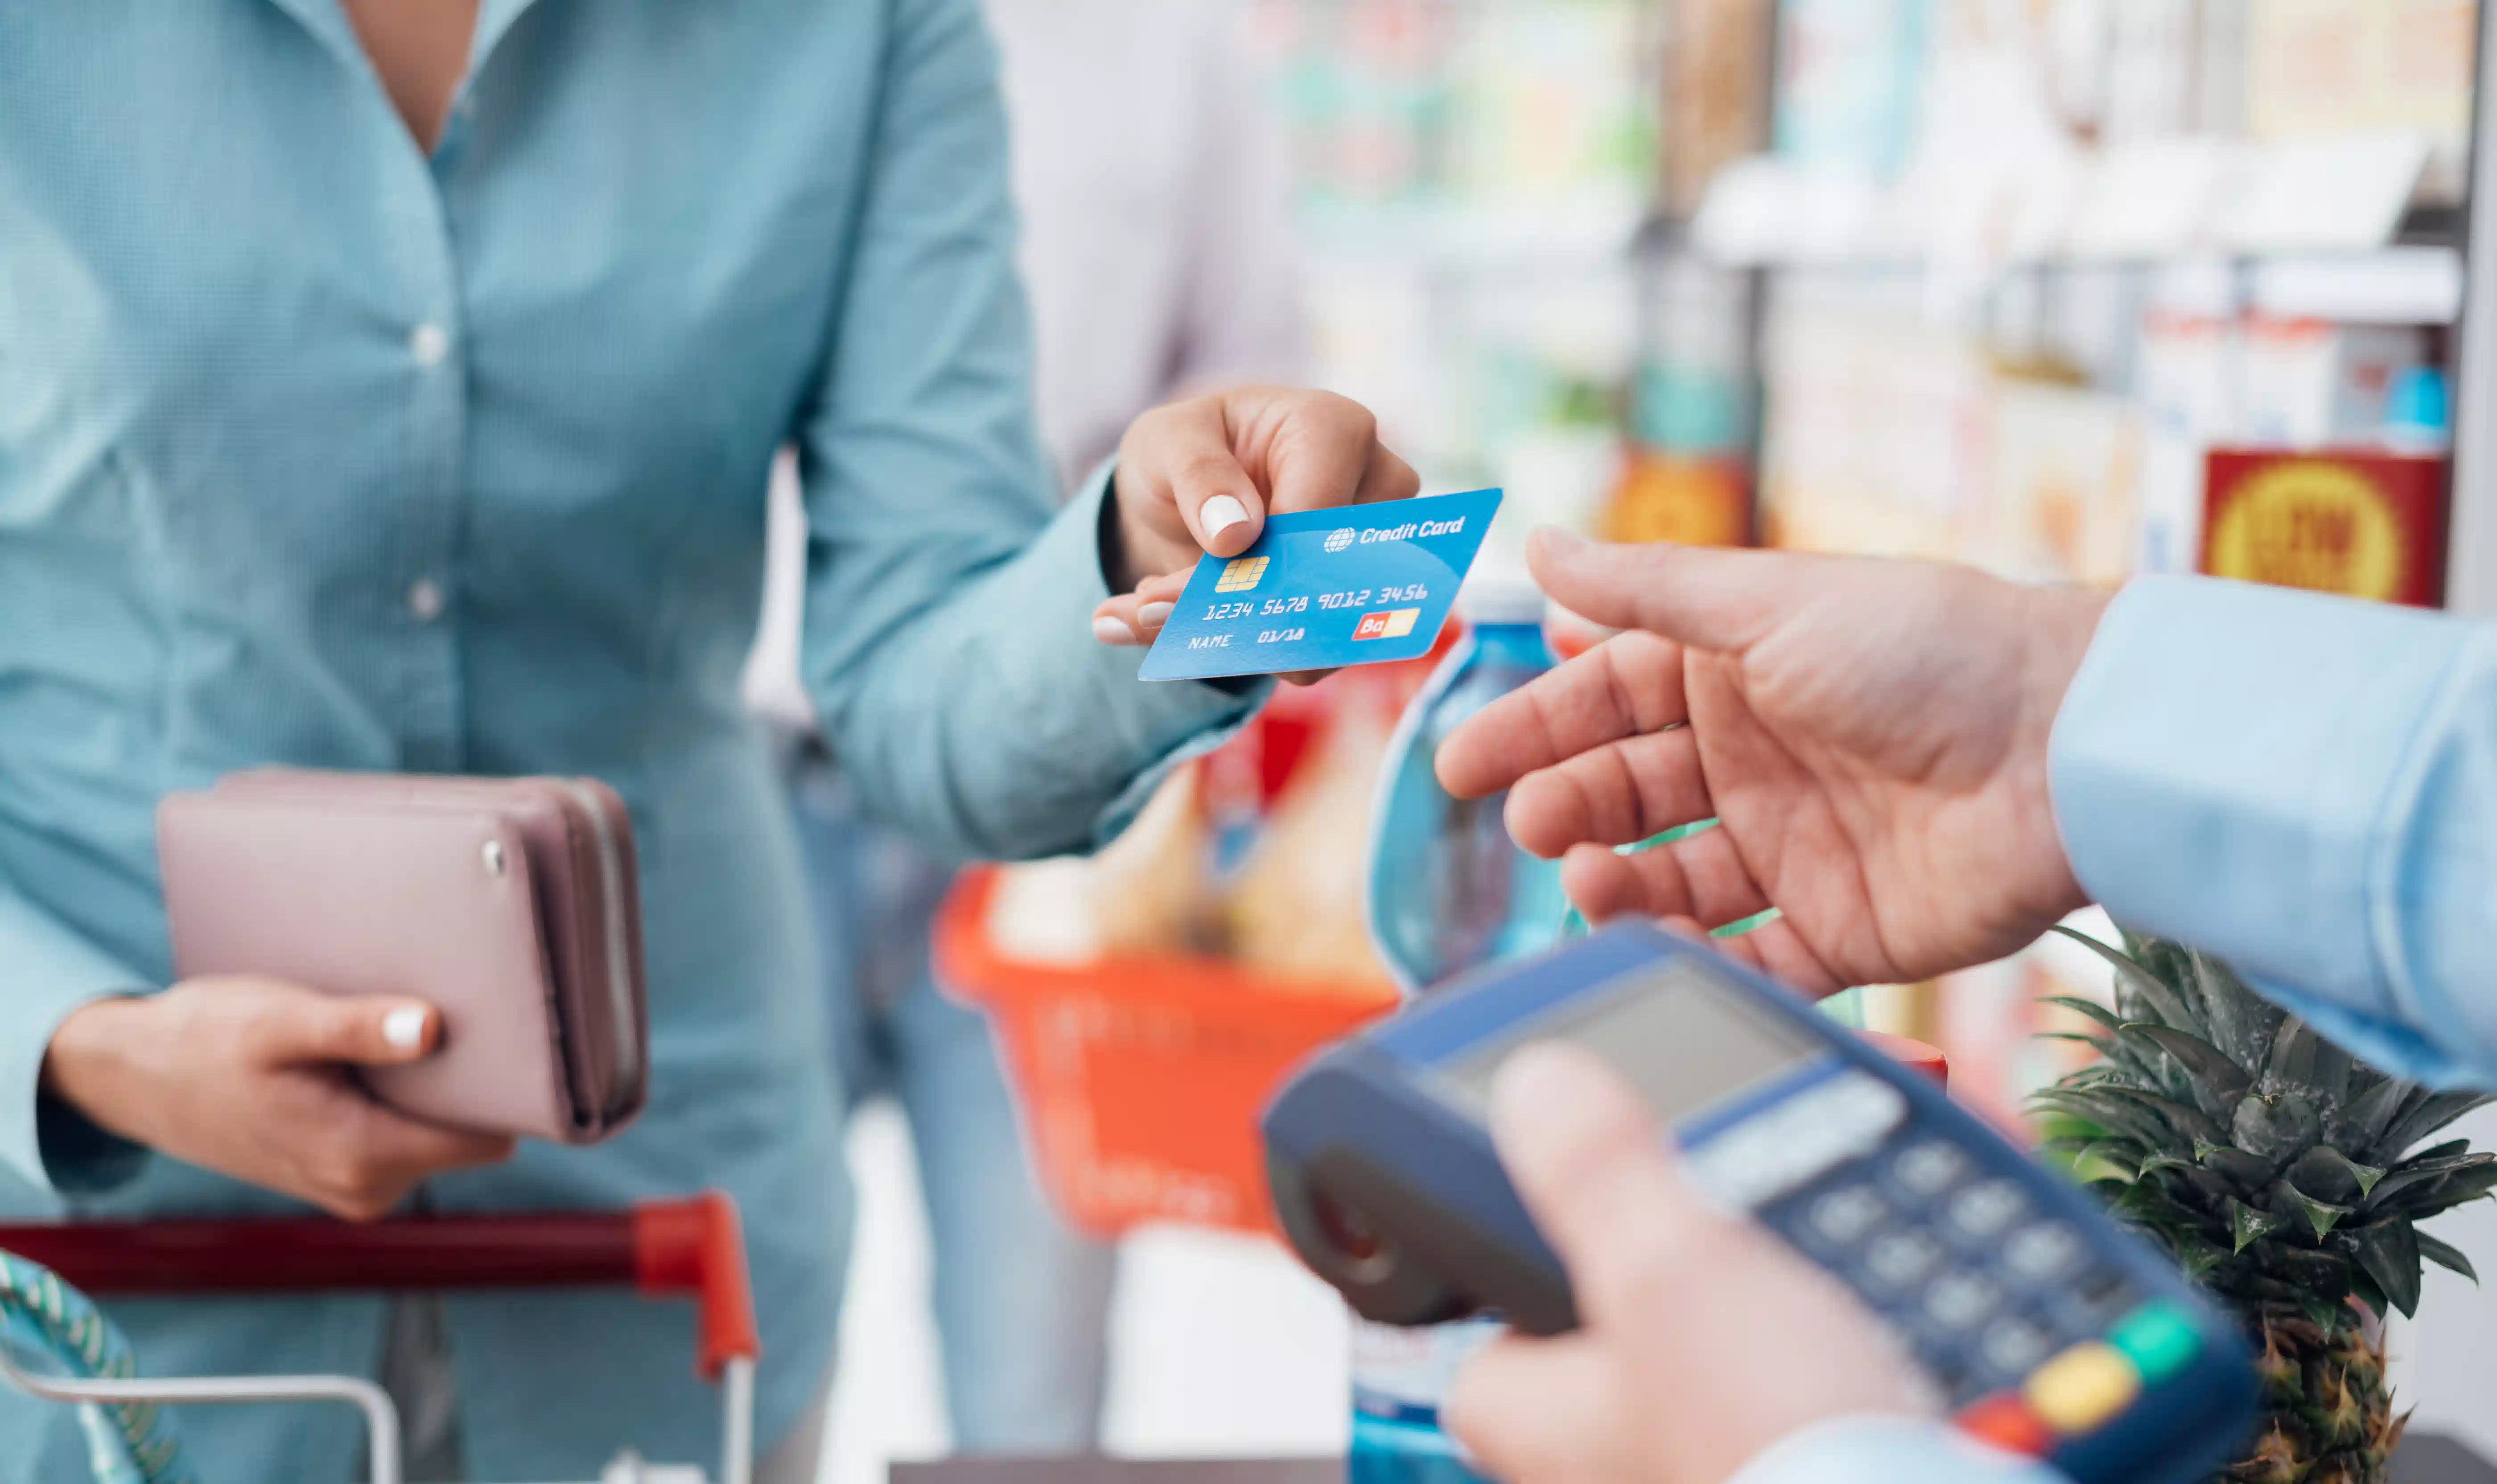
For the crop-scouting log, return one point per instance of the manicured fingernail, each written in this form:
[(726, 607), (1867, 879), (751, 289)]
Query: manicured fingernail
[(1110, 630), (1219, 513), (1153, 614), (1555, 542), (404, 1027)]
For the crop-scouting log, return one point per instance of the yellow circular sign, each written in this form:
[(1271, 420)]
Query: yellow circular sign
[(2312, 524)]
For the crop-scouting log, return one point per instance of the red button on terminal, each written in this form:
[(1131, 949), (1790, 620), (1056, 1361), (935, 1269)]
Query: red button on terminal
[(2004, 1421)]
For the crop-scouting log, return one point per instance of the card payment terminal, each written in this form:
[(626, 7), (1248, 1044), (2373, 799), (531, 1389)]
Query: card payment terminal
[(2050, 1329)]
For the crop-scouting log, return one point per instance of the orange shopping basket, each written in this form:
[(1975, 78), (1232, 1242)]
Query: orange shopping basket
[(1140, 1076)]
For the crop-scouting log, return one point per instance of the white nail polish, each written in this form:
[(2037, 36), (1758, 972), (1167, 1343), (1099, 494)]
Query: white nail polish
[(1110, 630), (1152, 615), (404, 1027), (1219, 513)]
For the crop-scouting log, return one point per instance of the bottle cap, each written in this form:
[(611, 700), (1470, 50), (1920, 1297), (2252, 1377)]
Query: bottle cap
[(2418, 410), (1496, 594)]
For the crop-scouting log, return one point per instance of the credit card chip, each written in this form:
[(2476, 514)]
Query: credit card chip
[(1241, 574)]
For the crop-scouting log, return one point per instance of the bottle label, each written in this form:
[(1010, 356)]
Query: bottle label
[(1402, 1374)]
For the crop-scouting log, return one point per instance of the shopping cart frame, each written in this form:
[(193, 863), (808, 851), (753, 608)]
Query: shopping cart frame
[(663, 1250)]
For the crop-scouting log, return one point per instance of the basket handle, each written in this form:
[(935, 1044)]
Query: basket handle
[(682, 1249)]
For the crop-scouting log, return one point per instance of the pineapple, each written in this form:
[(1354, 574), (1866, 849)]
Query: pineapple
[(2279, 1172)]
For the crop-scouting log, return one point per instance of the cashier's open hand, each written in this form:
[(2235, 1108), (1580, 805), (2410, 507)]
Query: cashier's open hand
[(1704, 1342), (1871, 735), (1200, 476)]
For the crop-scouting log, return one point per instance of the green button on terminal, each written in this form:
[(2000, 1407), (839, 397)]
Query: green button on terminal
[(2159, 1341)]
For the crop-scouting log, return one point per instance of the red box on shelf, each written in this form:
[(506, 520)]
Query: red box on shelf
[(2361, 524)]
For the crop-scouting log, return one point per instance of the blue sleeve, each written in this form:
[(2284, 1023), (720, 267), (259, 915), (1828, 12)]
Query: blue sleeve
[(53, 970), (2307, 788), (1888, 1450), (947, 643)]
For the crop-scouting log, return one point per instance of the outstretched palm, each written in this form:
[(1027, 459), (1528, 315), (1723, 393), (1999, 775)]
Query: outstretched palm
[(1871, 735)]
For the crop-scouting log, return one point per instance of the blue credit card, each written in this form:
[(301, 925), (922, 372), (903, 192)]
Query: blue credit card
[(1322, 589)]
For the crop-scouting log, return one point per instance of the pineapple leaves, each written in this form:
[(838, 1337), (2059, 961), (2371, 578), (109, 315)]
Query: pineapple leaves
[(2444, 1254), (2430, 1114), (2105, 1160), (2130, 976), (2248, 1225), (2437, 1164), (2277, 1126), (2215, 1082), (2234, 1165), (2089, 1008), (2373, 1110), (2288, 1201), (2101, 1105), (2388, 1253), (2293, 1053), (2333, 1175)]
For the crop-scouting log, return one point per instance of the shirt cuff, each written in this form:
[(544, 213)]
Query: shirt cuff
[(1874, 1449), (54, 972), (1166, 722), (2230, 767)]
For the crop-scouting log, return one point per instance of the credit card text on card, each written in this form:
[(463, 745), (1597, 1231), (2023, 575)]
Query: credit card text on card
[(1324, 588)]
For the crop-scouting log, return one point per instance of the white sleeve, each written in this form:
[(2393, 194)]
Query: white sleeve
[(1888, 1450)]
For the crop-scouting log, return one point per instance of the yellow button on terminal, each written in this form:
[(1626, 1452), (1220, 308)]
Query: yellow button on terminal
[(2083, 1387)]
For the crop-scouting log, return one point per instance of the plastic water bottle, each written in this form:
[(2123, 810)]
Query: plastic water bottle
[(1449, 891), (1399, 1377)]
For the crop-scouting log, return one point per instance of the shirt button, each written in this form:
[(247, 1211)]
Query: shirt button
[(429, 343), (425, 600)]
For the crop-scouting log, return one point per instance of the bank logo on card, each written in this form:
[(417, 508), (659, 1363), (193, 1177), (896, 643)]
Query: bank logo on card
[(1241, 574), (1394, 623), (1338, 541)]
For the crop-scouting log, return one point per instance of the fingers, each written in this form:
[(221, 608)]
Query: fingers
[(1613, 795), (1627, 686), (293, 1024), (1190, 449), (1592, 1162), (371, 1158), (1324, 451), (1539, 1410), (1707, 597), (1137, 618), (1701, 877), (1386, 476)]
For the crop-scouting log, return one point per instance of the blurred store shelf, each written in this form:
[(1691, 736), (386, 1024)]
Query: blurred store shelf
[(2146, 202)]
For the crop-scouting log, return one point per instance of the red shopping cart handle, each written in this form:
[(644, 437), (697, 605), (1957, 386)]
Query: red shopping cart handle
[(689, 1248)]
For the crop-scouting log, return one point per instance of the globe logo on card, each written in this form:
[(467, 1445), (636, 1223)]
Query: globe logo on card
[(1338, 540)]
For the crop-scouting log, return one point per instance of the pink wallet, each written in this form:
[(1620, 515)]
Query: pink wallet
[(509, 903)]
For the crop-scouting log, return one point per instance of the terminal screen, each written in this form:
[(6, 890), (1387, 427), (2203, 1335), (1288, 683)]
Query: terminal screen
[(1685, 1042)]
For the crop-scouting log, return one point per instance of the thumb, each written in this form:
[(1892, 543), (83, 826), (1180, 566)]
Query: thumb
[(1594, 1165), (1209, 485), (1707, 597), (367, 1031)]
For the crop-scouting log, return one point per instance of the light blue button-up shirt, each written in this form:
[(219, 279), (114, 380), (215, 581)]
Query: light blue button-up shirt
[(316, 449), (2305, 786)]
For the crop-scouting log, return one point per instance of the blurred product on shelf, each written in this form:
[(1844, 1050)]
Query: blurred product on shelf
[(2361, 66), (1678, 497), (1716, 92), (1291, 912), (2363, 524), (1473, 179), (2066, 480), (1848, 82)]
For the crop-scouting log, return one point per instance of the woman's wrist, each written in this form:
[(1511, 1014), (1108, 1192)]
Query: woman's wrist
[(87, 1063)]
